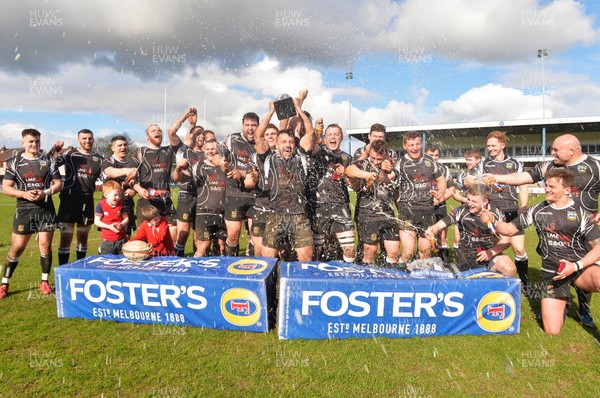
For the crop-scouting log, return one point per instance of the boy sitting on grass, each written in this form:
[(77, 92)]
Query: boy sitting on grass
[(111, 219), (155, 230)]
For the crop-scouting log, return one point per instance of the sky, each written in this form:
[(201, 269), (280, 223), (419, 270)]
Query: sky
[(115, 67)]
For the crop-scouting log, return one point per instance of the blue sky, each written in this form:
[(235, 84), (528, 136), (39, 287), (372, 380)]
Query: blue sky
[(105, 65)]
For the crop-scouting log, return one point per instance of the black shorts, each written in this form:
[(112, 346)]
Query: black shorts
[(36, 219), (296, 227), (75, 209), (112, 247), (440, 212), (561, 288), (164, 206), (467, 259), (372, 231), (209, 226), (238, 209), (328, 219), (186, 206), (416, 220), (128, 209), (259, 220), (510, 215)]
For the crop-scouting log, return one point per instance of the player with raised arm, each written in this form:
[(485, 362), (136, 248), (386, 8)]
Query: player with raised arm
[(284, 176), (186, 198), (153, 183)]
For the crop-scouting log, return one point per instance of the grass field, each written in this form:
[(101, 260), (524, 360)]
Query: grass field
[(43, 356)]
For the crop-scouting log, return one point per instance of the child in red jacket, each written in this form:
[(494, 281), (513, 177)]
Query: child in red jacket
[(155, 230)]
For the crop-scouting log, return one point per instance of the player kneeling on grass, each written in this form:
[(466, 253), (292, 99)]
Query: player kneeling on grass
[(569, 246), (155, 230), (111, 219), (32, 178), (479, 244)]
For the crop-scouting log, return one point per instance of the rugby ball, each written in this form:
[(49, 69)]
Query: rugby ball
[(137, 250)]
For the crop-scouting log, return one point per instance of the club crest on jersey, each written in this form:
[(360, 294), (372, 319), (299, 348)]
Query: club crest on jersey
[(582, 168), (43, 163), (510, 166), (571, 215), (428, 163)]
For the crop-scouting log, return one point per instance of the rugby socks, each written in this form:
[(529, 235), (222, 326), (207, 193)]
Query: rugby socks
[(81, 252), (444, 254), (318, 242), (522, 264), (46, 263), (347, 242), (63, 255), (584, 299), (179, 250), (232, 250), (9, 267)]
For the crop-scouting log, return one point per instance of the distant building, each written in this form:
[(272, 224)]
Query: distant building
[(527, 138)]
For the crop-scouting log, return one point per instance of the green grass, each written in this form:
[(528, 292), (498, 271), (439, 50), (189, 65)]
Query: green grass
[(43, 356)]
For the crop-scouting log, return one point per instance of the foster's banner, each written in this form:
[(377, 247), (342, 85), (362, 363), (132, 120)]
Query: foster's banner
[(333, 300), (212, 292)]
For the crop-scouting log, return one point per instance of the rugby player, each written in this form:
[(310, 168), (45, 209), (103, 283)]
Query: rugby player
[(568, 236), (479, 245), (32, 178), (186, 198), (284, 177), (122, 169), (377, 132), (375, 204), (421, 183), (238, 149), (440, 211), (82, 169), (153, 183), (328, 197), (209, 179), (506, 198), (567, 154)]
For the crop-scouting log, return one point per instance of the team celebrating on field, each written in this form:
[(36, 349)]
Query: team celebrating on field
[(288, 186)]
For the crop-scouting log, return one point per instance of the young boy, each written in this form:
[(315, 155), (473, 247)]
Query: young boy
[(111, 218), (155, 230)]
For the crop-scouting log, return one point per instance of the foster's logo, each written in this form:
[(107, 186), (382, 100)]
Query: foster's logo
[(496, 312), (240, 307), (247, 266)]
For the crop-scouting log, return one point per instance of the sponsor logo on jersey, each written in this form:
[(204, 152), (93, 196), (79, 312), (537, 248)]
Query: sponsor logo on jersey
[(496, 312), (240, 307)]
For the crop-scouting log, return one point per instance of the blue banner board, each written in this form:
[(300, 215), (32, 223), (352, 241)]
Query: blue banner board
[(336, 300), (212, 292)]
